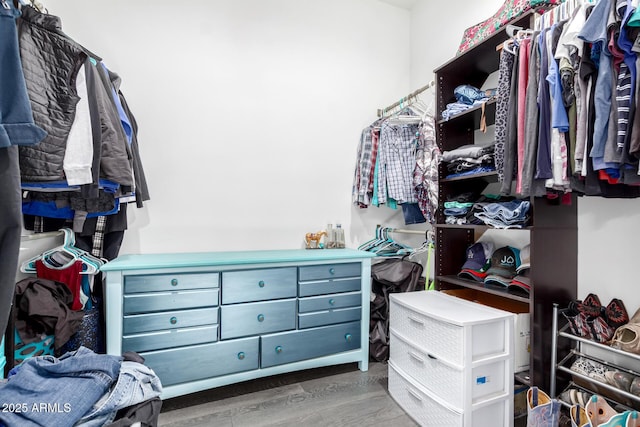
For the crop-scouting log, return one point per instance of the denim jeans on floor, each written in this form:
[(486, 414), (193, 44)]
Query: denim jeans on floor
[(136, 383), (47, 391)]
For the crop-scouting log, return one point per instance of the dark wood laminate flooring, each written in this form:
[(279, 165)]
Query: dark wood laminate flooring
[(333, 396)]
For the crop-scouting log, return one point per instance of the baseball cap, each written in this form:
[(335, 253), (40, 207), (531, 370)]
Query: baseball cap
[(525, 259), (478, 261), (504, 262), (478, 256), (520, 285), (478, 276)]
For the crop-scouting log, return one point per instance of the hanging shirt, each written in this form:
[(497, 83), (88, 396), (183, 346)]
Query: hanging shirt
[(596, 31), (397, 161)]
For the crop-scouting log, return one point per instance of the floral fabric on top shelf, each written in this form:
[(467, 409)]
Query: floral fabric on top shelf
[(510, 10)]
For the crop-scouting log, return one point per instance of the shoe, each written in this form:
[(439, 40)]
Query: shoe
[(601, 331), (627, 338), (579, 417), (590, 306), (619, 379), (634, 388), (578, 324), (541, 409), (633, 420), (599, 411), (590, 368), (616, 314)]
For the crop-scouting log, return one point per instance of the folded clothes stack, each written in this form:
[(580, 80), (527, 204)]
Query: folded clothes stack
[(469, 159)]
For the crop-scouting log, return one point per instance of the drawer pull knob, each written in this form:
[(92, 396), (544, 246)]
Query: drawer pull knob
[(173, 320), (261, 283), (174, 282), (348, 337), (414, 395), (260, 317), (241, 355), (414, 320), (332, 302), (332, 270), (278, 349), (416, 357)]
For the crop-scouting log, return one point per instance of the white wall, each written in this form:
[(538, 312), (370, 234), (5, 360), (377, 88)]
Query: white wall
[(250, 111), (608, 232)]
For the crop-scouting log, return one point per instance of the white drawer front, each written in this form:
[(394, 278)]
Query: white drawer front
[(487, 380), (427, 411), (442, 340), (422, 408), (442, 380)]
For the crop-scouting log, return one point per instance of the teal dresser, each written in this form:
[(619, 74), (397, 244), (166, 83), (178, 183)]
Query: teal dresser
[(204, 320)]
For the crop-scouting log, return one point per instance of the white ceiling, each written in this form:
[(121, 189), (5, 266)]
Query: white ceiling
[(405, 4)]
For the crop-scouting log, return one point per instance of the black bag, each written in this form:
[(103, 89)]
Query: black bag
[(389, 276)]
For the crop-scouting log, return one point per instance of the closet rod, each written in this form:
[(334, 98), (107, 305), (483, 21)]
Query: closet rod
[(406, 99), (404, 231)]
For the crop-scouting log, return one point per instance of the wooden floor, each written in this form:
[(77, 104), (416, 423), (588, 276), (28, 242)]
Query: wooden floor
[(332, 396)]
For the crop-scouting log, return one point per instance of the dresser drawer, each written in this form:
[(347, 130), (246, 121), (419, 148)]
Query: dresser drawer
[(288, 347), (258, 285), (443, 380), (352, 299), (256, 318), (328, 317), (325, 287), (184, 364), (329, 271), (160, 301), (170, 338), (135, 323), (170, 282), (428, 410)]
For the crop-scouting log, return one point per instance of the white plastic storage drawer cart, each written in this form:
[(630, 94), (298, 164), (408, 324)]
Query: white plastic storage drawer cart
[(451, 360)]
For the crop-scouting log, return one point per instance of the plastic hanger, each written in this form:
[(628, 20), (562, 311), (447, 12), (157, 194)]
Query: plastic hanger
[(65, 251)]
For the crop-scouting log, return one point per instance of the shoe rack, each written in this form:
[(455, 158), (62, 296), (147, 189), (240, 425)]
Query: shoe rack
[(603, 354)]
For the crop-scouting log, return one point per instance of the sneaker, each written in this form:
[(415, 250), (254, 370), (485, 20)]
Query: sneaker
[(618, 379), (591, 369), (634, 388)]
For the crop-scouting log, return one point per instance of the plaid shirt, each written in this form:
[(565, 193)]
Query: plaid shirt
[(397, 162)]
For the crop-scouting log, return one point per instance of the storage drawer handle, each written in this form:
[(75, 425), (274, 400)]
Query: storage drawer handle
[(416, 357), (348, 337), (241, 355), (332, 302), (414, 320), (332, 270), (174, 282), (414, 395), (260, 317), (431, 357), (173, 320), (278, 349), (261, 283)]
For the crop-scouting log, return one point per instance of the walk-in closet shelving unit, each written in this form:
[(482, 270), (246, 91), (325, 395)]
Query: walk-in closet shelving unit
[(562, 376), (553, 231)]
